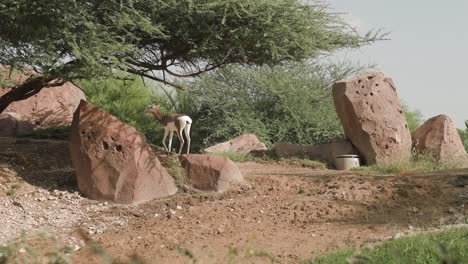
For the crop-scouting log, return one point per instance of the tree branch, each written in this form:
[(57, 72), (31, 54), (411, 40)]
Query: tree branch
[(144, 74)]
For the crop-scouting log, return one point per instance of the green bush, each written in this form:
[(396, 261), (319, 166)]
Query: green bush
[(291, 103), (464, 135), (414, 118), (127, 100)]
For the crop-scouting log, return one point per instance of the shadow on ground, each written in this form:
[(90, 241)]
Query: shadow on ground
[(43, 163)]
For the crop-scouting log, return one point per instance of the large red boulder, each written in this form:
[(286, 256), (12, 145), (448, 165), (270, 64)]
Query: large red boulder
[(438, 137), (211, 173), (50, 107), (113, 161), (373, 119), (243, 144)]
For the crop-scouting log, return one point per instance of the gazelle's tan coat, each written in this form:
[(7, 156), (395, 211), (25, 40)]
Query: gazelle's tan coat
[(172, 123)]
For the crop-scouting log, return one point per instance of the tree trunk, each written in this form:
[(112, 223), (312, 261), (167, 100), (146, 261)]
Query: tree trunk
[(23, 91)]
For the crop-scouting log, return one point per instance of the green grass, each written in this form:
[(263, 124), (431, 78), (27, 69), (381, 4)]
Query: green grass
[(412, 167), (301, 162), (23, 251), (236, 157), (306, 163), (13, 189), (448, 246)]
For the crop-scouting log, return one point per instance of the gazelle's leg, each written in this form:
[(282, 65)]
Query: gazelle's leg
[(181, 139), (164, 139), (187, 135), (170, 140)]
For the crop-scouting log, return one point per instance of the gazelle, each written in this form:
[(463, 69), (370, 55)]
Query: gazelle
[(172, 123)]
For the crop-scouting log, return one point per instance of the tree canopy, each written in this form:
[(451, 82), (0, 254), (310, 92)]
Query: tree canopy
[(83, 39)]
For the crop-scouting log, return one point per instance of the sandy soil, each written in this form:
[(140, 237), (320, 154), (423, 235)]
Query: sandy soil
[(290, 213)]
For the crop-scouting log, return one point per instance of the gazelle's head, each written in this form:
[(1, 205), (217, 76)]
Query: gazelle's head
[(152, 108)]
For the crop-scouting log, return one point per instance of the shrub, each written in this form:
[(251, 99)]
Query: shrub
[(291, 103), (127, 100)]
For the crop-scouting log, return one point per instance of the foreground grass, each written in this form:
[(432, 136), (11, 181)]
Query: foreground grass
[(23, 251), (449, 246)]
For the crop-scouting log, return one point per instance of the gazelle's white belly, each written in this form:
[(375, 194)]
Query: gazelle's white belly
[(182, 121)]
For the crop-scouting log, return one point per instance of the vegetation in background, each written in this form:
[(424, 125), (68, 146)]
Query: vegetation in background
[(449, 246), (464, 135), (414, 118), (291, 103), (127, 100), (86, 39)]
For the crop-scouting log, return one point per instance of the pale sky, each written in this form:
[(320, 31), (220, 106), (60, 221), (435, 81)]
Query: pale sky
[(427, 54)]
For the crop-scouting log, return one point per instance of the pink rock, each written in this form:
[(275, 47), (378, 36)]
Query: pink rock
[(113, 161), (51, 107), (373, 118), (439, 138), (243, 144), (211, 173)]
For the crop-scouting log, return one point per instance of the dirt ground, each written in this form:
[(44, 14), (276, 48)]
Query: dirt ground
[(288, 215)]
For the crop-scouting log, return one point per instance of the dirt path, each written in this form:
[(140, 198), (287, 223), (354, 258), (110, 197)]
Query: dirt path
[(290, 213)]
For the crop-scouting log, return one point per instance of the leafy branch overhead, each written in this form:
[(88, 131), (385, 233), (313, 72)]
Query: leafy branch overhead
[(83, 39)]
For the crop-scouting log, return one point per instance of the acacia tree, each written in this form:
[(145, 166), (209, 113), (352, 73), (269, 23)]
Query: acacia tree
[(80, 39)]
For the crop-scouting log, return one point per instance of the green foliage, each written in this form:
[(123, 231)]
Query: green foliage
[(77, 39), (127, 100), (464, 135), (291, 103), (414, 118), (449, 246)]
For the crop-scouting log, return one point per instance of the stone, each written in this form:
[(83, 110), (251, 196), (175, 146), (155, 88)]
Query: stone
[(53, 106), (373, 119), (211, 173), (326, 152), (113, 161), (438, 137), (243, 144)]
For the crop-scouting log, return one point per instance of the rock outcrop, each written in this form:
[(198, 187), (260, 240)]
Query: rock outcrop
[(438, 137), (323, 152), (50, 107), (243, 144), (211, 173), (113, 161), (373, 118)]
